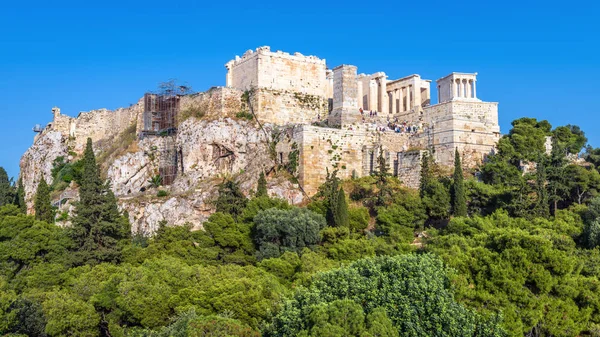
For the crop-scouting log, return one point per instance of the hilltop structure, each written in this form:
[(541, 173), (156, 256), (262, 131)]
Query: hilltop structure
[(277, 109), (365, 114)]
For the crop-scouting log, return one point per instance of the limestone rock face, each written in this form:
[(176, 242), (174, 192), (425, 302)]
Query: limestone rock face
[(210, 151), (38, 160), (222, 148), (129, 174)]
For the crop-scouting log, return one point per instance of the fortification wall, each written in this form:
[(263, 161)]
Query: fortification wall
[(286, 107), (353, 152), (216, 102), (472, 127), (278, 71)]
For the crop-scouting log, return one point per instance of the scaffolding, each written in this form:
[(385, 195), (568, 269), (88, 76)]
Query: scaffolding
[(170, 160), (161, 111)]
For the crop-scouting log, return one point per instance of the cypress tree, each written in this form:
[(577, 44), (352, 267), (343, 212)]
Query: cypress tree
[(381, 175), (261, 190), (459, 200), (231, 200), (425, 174), (341, 213), (97, 226), (20, 196), (5, 188), (43, 206)]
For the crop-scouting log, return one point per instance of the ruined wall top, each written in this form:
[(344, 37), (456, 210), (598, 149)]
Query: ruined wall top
[(266, 50), (278, 71)]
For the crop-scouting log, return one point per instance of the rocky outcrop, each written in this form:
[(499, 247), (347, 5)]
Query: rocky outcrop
[(208, 151), (38, 161)]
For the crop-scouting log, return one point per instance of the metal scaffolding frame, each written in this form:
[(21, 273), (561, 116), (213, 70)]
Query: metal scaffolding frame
[(161, 111)]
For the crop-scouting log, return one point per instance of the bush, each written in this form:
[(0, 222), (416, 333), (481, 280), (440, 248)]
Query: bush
[(162, 193), (278, 231), (244, 115)]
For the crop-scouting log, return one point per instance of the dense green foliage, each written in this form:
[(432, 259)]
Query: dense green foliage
[(43, 205), (399, 290), (98, 225), (510, 249), (459, 201)]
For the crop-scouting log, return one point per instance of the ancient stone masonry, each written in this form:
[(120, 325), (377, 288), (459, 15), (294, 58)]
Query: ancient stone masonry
[(367, 114), (276, 109)]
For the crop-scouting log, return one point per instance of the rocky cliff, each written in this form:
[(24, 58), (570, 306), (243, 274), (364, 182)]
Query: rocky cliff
[(210, 149)]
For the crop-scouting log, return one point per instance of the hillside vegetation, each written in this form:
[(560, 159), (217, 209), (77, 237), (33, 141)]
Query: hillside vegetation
[(498, 251)]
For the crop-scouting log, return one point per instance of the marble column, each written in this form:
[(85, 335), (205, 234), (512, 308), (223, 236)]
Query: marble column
[(467, 88), (454, 89), (394, 94), (417, 93), (383, 95), (474, 89)]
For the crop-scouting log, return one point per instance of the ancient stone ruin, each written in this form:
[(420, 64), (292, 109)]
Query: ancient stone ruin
[(364, 114), (275, 108)]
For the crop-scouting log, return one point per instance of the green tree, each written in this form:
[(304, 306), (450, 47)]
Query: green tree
[(43, 205), (98, 225), (542, 207), (384, 191), (261, 189), (6, 190), (426, 174), (459, 201), (231, 200), (278, 231), (20, 196), (341, 213), (412, 290)]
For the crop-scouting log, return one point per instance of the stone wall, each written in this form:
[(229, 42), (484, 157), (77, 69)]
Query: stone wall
[(278, 71), (472, 127), (352, 152), (286, 107)]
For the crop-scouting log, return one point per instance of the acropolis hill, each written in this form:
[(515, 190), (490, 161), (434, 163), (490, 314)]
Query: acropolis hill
[(276, 110)]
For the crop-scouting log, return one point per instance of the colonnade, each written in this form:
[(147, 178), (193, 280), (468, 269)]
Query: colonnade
[(464, 88), (401, 99)]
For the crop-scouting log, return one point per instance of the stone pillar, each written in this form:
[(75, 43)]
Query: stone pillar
[(345, 104), (417, 93), (372, 95), (382, 95), (474, 89), (359, 90), (394, 96), (461, 89), (469, 93), (454, 88)]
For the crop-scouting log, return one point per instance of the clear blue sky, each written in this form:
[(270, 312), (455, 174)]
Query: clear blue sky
[(538, 59)]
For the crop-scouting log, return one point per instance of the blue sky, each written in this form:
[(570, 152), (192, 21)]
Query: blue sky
[(538, 59)]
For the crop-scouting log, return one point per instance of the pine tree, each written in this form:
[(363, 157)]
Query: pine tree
[(97, 226), (20, 196), (43, 205), (5, 188), (261, 189), (341, 213), (459, 202)]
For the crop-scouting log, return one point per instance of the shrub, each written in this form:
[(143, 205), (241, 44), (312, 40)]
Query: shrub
[(244, 115), (162, 193)]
